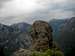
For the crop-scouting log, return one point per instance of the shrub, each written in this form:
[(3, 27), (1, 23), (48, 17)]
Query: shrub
[(48, 52)]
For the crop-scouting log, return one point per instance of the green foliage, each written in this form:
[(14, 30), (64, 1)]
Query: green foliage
[(58, 53), (48, 52)]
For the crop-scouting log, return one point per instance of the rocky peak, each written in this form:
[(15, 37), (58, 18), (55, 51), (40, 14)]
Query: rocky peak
[(41, 35)]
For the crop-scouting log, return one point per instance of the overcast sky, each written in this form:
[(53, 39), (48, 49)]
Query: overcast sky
[(14, 11)]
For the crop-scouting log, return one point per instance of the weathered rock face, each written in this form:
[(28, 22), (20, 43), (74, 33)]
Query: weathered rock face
[(41, 35)]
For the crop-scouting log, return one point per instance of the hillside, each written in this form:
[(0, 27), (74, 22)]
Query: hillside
[(13, 37), (57, 25), (67, 39)]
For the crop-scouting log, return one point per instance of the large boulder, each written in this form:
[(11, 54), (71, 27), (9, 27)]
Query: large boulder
[(41, 35)]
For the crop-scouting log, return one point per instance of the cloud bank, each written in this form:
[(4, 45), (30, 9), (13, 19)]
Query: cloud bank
[(14, 11)]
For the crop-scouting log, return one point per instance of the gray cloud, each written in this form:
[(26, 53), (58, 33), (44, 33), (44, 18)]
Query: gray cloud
[(2, 2), (48, 9), (68, 5)]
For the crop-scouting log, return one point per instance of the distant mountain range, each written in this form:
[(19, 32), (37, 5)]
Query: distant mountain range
[(57, 25), (14, 37), (67, 38), (22, 27), (64, 34), (17, 36), (5, 28)]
